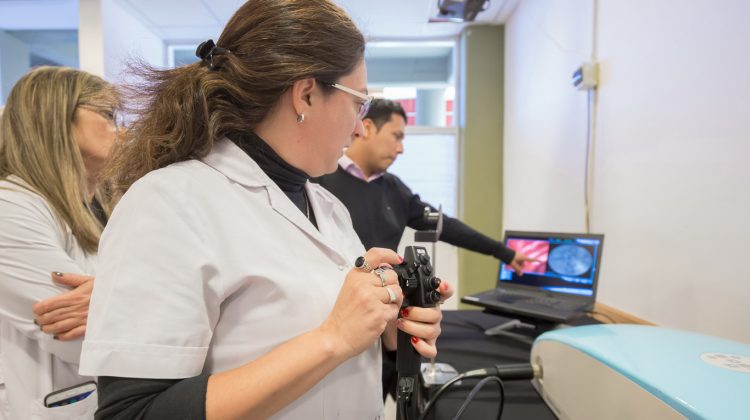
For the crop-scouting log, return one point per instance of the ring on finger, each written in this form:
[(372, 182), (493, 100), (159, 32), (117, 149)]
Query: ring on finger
[(391, 295), (361, 263), (380, 272)]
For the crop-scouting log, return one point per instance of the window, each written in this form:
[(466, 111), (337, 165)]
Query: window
[(420, 76), (429, 166), (21, 50), (180, 55)]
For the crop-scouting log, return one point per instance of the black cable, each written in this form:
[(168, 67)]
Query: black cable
[(508, 372), (470, 374), (475, 391)]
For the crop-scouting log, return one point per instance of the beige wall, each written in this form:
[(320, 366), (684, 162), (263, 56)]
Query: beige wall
[(480, 121), (671, 182)]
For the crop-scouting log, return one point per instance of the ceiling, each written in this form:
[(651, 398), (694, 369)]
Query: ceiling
[(191, 20), (378, 19), (385, 23), (26, 15)]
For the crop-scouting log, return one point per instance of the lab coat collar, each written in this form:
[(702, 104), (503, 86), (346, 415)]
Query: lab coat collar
[(236, 165), (227, 158)]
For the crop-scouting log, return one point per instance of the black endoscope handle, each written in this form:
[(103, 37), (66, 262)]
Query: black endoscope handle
[(407, 358), (409, 363)]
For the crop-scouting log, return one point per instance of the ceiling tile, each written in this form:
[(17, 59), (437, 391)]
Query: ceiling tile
[(166, 13), (379, 20)]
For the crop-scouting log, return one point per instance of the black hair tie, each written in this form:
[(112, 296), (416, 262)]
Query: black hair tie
[(206, 51)]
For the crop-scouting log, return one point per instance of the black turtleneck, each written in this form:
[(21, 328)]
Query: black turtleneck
[(290, 179)]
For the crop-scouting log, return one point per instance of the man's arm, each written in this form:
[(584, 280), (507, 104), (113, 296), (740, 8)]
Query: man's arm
[(459, 234), (454, 232)]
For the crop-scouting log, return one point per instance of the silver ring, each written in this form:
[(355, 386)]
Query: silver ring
[(391, 295), (361, 263), (380, 272)]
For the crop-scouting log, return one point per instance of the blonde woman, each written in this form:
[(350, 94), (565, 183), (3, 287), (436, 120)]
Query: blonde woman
[(57, 131)]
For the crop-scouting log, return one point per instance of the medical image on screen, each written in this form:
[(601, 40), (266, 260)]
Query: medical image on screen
[(566, 265), (570, 260), (536, 249)]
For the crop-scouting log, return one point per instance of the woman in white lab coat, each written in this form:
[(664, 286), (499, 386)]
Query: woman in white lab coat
[(227, 285), (57, 132)]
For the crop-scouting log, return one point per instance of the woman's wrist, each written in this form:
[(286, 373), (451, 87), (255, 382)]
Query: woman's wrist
[(334, 347)]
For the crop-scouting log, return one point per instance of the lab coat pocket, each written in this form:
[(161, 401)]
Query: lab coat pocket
[(81, 410)]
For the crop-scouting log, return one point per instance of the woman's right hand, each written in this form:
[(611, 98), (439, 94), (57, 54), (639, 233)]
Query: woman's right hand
[(363, 307)]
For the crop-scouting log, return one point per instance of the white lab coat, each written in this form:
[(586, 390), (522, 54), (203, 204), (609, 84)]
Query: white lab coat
[(4, 406), (207, 265), (33, 243)]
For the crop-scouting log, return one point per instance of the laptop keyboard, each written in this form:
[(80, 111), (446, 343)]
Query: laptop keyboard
[(554, 303), (506, 297)]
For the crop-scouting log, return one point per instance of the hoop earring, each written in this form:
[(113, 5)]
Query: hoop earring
[(301, 118)]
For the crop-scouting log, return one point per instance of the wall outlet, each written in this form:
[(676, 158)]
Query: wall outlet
[(586, 77)]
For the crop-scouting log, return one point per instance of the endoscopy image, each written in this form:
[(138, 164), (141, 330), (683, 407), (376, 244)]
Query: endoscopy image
[(536, 249)]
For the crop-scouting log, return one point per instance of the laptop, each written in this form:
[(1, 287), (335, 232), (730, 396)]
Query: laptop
[(557, 287)]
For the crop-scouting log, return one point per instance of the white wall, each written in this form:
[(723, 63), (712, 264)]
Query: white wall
[(671, 186), (14, 63), (126, 37), (90, 43)]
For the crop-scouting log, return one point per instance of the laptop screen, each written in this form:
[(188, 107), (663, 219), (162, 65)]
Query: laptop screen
[(566, 263)]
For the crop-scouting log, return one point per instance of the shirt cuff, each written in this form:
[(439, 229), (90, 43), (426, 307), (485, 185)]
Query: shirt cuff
[(504, 254), (129, 360)]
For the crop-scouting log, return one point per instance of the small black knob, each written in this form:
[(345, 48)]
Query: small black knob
[(434, 296), (434, 283), (426, 270)]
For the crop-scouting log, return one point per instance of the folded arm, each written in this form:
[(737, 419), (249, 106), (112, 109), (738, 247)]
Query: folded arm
[(31, 247)]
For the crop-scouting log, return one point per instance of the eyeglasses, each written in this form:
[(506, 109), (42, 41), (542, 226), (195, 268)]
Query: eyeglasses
[(112, 115), (364, 106)]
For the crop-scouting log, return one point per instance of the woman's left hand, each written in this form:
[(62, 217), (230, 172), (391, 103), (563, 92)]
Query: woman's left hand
[(423, 324), (65, 315)]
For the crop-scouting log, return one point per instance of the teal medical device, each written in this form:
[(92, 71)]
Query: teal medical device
[(641, 372)]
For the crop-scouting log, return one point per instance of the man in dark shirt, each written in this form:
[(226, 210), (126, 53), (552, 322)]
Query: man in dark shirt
[(381, 205)]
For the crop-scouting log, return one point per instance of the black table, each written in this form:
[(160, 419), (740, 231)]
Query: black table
[(464, 345)]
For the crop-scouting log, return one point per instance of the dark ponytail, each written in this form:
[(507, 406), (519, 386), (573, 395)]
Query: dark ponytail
[(267, 46)]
